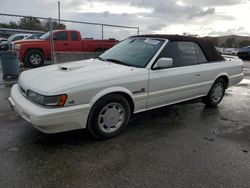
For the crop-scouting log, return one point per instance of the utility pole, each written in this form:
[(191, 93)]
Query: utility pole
[(59, 11), (52, 48)]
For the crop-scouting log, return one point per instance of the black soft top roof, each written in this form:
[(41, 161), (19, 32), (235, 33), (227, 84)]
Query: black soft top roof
[(207, 47)]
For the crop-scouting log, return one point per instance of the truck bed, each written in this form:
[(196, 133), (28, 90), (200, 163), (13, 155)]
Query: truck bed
[(90, 45)]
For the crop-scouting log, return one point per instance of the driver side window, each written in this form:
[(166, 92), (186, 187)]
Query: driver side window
[(62, 36), (183, 53)]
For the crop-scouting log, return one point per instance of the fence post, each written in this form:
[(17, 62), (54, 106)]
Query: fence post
[(102, 32), (52, 49)]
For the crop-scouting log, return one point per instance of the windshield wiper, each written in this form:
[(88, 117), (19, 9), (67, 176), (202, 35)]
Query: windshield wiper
[(118, 62), (100, 58)]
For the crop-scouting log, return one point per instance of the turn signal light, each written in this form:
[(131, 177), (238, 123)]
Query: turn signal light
[(62, 100)]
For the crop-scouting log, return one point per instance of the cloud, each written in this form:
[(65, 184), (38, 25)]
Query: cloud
[(151, 16), (202, 13), (156, 26), (235, 31), (206, 3), (169, 7)]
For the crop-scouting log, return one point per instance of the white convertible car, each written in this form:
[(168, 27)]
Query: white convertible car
[(138, 74)]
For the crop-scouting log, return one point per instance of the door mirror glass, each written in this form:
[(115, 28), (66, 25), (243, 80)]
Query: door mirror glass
[(163, 63)]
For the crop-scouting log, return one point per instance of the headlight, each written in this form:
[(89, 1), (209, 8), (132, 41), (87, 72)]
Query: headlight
[(35, 97), (16, 46), (58, 100)]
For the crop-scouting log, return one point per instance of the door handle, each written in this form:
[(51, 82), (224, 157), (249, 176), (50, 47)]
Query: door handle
[(197, 74), (65, 44)]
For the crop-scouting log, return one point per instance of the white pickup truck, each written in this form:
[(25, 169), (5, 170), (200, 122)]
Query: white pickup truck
[(138, 74)]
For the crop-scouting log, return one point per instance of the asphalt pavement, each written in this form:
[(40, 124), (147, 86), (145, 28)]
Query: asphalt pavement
[(183, 145)]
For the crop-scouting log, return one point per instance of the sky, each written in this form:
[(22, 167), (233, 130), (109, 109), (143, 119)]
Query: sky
[(201, 17)]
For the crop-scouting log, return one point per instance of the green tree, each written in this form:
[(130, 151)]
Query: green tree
[(230, 43), (55, 25), (190, 35), (30, 23), (11, 25), (244, 43)]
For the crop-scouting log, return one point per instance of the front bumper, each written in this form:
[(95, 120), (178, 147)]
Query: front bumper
[(49, 120)]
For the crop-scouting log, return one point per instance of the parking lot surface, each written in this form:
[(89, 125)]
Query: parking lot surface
[(183, 145)]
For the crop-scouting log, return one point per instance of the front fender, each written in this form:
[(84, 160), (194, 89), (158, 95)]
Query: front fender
[(109, 91)]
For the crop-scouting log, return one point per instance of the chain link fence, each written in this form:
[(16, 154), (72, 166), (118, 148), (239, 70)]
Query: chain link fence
[(39, 41)]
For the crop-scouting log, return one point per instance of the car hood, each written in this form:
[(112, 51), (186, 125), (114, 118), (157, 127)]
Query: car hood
[(55, 78), (4, 42)]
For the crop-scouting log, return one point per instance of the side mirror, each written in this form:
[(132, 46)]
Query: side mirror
[(54, 37), (163, 63)]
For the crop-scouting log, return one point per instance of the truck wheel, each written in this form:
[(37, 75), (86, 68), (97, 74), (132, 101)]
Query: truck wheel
[(34, 58), (109, 116), (216, 93)]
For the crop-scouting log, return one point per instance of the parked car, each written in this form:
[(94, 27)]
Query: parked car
[(3, 40), (34, 52), (9, 44), (35, 36), (230, 51), (138, 74), (19, 36), (6, 45), (244, 53)]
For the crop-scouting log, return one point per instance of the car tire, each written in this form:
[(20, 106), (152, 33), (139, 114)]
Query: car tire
[(109, 117), (216, 93), (34, 58)]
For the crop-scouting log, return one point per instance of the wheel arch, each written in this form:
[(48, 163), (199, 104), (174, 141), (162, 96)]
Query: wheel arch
[(30, 49), (225, 77), (115, 90), (38, 49)]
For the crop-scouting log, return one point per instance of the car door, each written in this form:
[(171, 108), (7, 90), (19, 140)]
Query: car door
[(61, 42), (208, 71), (75, 42), (178, 83)]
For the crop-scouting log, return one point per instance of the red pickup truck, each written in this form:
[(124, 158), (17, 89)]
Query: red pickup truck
[(34, 52)]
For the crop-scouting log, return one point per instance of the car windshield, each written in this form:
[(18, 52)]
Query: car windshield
[(45, 36), (11, 37), (35, 36), (136, 52)]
